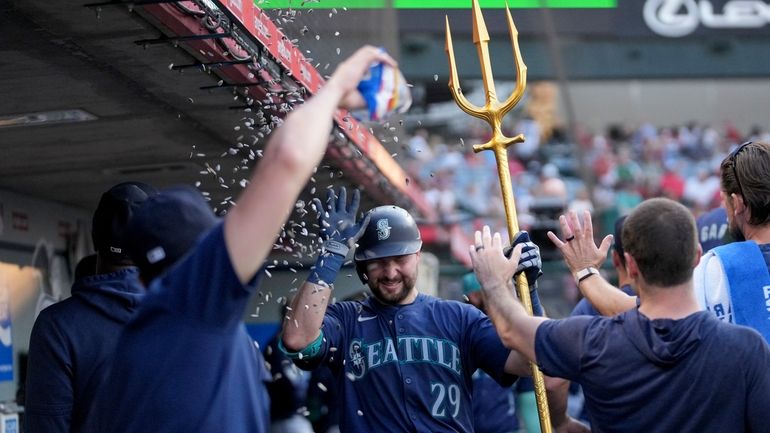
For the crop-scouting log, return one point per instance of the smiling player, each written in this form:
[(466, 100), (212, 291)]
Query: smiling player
[(403, 361)]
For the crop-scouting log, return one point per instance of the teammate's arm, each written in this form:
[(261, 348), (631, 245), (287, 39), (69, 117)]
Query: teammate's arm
[(302, 324), (580, 252), (606, 298), (557, 390), (339, 231), (515, 327), (292, 152), (517, 364), (495, 272)]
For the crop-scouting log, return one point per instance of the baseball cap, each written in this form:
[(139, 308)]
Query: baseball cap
[(116, 206), (470, 283), (166, 228)]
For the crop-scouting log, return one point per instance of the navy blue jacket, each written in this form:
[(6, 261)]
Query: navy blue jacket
[(69, 348), (185, 363)]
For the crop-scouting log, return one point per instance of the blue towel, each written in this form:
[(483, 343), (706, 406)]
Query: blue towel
[(749, 281)]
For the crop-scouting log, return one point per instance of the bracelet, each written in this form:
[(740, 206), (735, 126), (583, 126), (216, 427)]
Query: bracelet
[(585, 273)]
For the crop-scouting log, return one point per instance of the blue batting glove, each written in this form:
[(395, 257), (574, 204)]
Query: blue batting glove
[(531, 264), (337, 220)]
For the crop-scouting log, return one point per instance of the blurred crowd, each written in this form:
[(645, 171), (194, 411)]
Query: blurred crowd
[(620, 167)]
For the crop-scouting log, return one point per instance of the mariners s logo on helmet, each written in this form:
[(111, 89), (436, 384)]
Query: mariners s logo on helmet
[(383, 229)]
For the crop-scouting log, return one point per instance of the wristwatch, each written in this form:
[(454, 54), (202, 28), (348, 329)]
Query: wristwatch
[(585, 273)]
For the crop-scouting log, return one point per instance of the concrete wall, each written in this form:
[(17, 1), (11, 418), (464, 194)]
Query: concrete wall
[(744, 102)]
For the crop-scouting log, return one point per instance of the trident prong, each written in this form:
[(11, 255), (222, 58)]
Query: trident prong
[(521, 68), (481, 40), (454, 81), (493, 113)]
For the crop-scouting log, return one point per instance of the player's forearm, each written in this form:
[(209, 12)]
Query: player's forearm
[(557, 390), (517, 365), (291, 154), (304, 135), (309, 305), (605, 297), (515, 327), (303, 320)]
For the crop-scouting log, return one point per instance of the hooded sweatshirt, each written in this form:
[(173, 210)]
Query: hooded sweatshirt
[(184, 363), (70, 345), (696, 374)]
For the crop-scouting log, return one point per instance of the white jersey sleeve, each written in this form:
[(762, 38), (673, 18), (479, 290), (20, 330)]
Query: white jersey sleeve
[(712, 290)]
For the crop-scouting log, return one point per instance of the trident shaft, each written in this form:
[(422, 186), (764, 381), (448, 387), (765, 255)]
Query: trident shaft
[(492, 113)]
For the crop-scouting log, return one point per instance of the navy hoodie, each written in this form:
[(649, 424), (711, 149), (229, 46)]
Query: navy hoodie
[(184, 363), (693, 375), (70, 345)]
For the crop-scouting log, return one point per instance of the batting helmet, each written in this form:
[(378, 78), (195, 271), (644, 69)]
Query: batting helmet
[(391, 231)]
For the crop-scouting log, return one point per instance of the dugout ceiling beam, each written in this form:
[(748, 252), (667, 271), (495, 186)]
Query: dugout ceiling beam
[(96, 95)]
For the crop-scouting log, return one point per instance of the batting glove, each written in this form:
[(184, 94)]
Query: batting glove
[(337, 220), (530, 262)]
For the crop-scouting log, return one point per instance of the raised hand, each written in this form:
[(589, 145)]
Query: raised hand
[(578, 247), (338, 218), (493, 269), (350, 72)]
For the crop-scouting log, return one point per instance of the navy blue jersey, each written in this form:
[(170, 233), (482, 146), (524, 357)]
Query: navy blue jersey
[(185, 363), (408, 368), (712, 229), (693, 375), (494, 407)]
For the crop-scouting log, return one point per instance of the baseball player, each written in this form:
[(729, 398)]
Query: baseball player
[(665, 366), (403, 361)]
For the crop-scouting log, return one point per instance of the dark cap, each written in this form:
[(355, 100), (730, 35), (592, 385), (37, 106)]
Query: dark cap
[(115, 208), (166, 228)]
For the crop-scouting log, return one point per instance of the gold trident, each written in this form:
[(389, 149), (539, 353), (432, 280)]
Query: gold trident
[(493, 113)]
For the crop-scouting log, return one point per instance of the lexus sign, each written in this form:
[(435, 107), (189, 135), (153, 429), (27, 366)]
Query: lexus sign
[(677, 18)]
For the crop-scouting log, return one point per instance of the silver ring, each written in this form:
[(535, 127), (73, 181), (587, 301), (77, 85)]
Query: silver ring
[(479, 248), (569, 238)]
